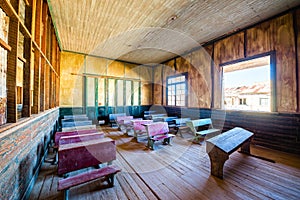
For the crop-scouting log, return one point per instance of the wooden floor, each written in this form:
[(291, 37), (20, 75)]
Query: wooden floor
[(182, 171)]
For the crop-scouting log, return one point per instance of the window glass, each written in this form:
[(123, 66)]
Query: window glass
[(176, 90), (247, 85)]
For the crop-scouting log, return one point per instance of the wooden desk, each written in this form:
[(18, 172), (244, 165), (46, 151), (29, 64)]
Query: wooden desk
[(220, 147)]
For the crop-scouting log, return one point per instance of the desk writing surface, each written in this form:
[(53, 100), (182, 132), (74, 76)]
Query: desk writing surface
[(231, 139), (84, 143)]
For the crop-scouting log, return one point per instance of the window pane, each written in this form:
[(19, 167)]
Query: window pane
[(128, 93), (120, 92), (111, 92), (246, 84), (136, 88), (101, 93), (90, 91)]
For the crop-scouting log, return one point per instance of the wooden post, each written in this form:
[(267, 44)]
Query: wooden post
[(12, 56)]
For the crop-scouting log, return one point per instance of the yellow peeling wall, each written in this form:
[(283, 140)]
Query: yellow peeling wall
[(71, 86)]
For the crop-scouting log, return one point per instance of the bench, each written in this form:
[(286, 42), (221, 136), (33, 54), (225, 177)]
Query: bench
[(158, 131), (147, 114), (70, 119), (123, 121), (58, 135), (220, 147), (107, 172), (80, 138), (113, 117), (139, 127), (74, 116), (75, 128), (75, 123), (75, 156), (197, 124), (180, 124), (157, 117)]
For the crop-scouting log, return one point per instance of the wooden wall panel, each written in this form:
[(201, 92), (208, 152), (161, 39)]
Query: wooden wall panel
[(200, 77), (131, 71), (71, 85), (298, 53), (157, 85), (94, 65), (146, 93), (259, 39), (230, 48), (146, 73), (284, 44), (168, 70), (115, 68)]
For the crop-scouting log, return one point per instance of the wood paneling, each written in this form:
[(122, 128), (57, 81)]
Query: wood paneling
[(157, 85), (116, 68), (230, 48), (259, 39), (298, 52), (284, 44), (71, 86), (131, 71), (95, 65), (200, 77), (168, 70)]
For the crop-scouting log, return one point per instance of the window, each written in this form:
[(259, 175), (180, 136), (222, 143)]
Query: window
[(177, 90), (247, 85), (123, 92)]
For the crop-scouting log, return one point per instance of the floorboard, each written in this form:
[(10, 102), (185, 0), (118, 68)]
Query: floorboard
[(181, 171)]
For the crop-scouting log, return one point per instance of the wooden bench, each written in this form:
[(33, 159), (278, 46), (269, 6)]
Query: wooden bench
[(76, 128), (122, 122), (158, 131), (220, 147), (70, 119), (180, 124), (58, 135), (75, 123), (75, 116), (80, 138), (107, 172), (75, 156), (139, 127), (147, 114), (197, 124), (113, 117)]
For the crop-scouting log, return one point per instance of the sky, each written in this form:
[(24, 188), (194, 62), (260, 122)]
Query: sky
[(246, 76)]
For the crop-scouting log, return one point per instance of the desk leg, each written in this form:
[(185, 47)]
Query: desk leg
[(245, 148), (217, 160)]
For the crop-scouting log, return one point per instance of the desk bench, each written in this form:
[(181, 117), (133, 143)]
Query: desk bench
[(194, 125), (158, 131), (75, 156), (220, 147), (107, 172)]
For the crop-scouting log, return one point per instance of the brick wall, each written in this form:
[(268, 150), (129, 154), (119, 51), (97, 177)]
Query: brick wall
[(22, 149)]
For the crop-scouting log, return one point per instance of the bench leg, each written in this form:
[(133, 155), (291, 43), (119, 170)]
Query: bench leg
[(245, 148), (110, 179), (150, 144), (66, 194), (217, 160)]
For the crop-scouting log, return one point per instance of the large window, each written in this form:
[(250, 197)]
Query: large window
[(123, 92), (247, 85), (177, 90)]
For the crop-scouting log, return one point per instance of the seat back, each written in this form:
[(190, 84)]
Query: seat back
[(157, 128), (138, 125)]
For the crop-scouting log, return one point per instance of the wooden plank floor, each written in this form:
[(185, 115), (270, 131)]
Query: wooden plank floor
[(182, 171)]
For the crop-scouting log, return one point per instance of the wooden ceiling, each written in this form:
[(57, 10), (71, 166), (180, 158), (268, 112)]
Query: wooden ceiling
[(152, 31)]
